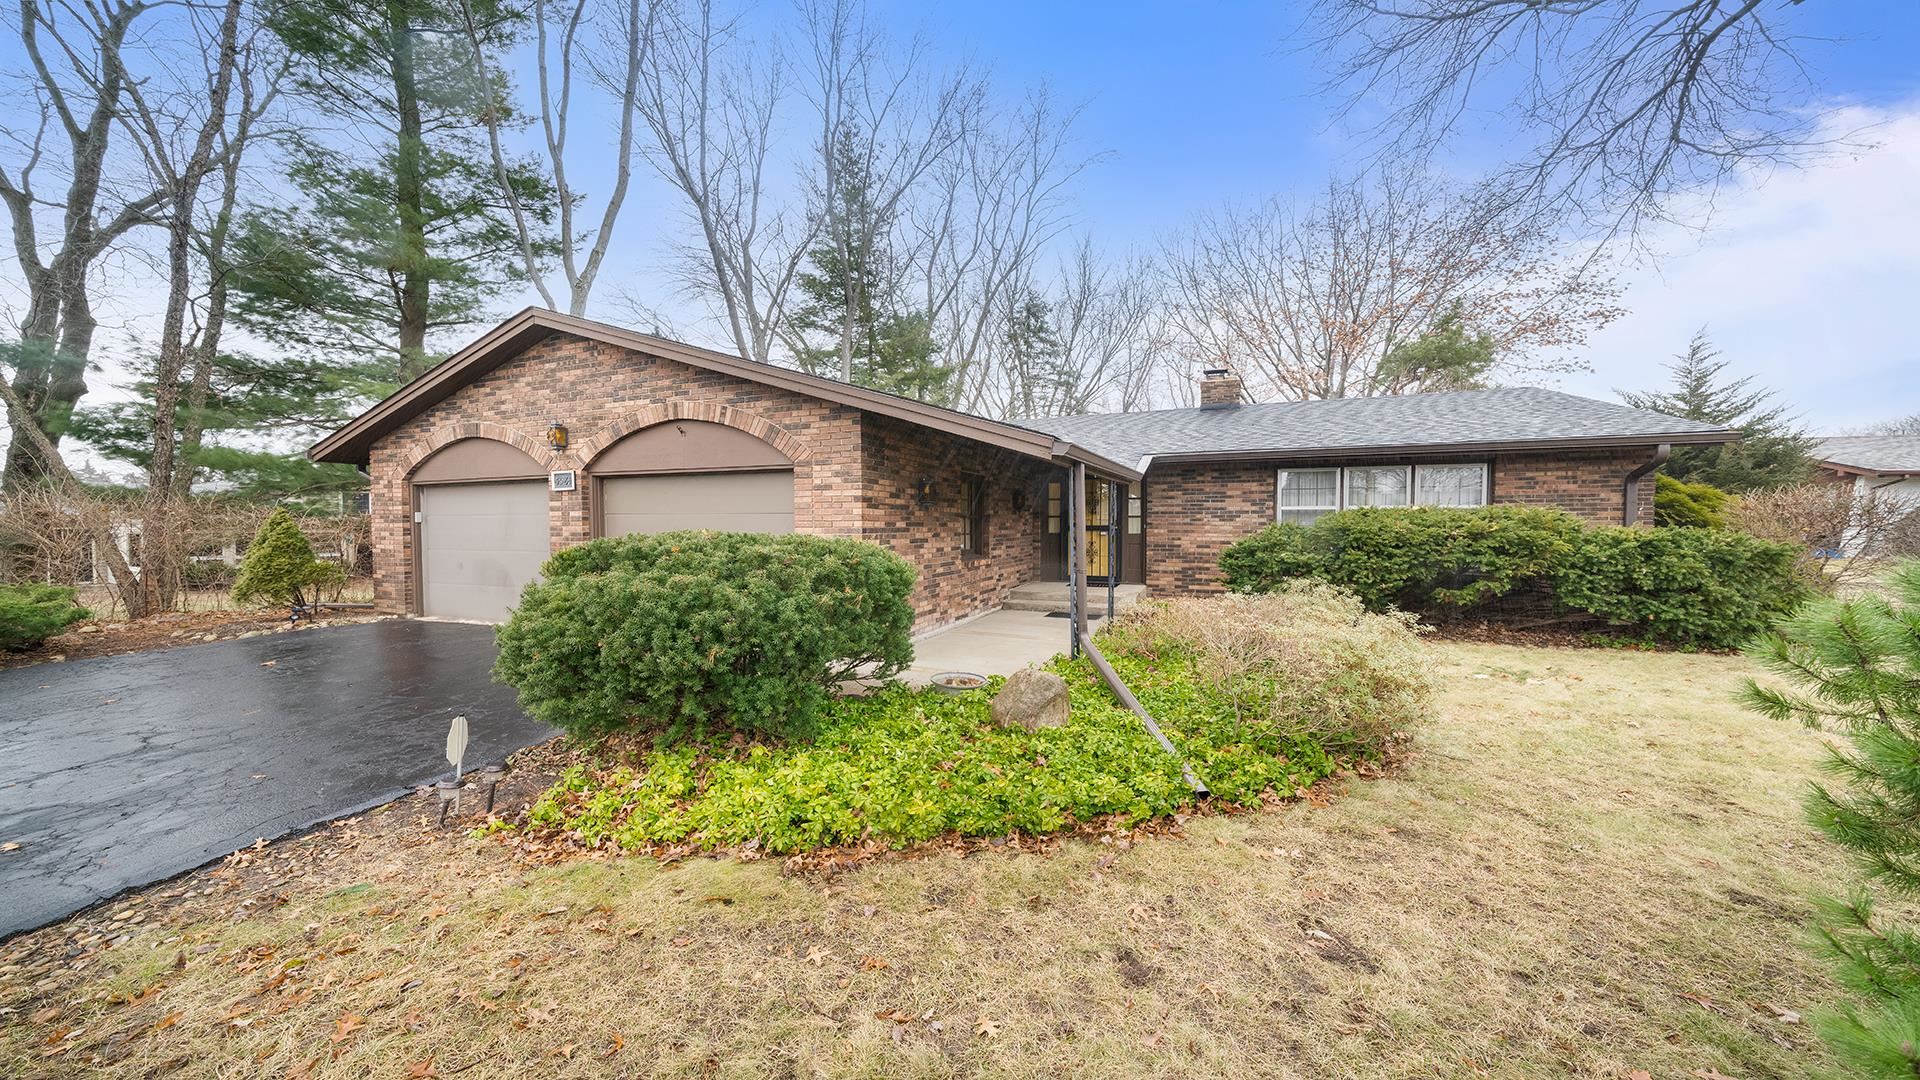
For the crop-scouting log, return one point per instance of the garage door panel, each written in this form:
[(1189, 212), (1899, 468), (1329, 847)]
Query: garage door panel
[(479, 545), (758, 502)]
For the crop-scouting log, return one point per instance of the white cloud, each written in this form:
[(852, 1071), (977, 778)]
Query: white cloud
[(1808, 281)]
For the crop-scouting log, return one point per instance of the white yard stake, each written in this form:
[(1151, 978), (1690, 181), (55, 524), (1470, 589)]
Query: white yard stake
[(456, 754)]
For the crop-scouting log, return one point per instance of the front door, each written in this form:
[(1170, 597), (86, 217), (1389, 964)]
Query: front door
[(1102, 509), (1099, 547)]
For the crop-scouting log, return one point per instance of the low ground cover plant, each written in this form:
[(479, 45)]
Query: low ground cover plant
[(30, 614), (902, 766), (1691, 587), (684, 635)]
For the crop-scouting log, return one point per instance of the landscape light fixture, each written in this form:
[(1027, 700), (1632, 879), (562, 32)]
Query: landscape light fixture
[(557, 436)]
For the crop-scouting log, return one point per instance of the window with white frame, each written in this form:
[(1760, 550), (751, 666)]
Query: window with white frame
[(1450, 485), (1306, 494), (1377, 485)]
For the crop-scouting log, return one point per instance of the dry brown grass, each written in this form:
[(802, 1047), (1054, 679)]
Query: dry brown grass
[(1583, 838)]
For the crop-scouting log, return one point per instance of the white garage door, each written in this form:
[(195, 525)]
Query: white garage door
[(479, 543), (758, 502)]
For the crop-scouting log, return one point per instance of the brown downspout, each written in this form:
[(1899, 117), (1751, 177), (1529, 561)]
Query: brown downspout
[(1126, 698), (1630, 493)]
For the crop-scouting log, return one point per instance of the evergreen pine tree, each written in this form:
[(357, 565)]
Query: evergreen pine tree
[(391, 241), (1855, 669), (251, 403), (280, 567), (1447, 357), (1772, 451), (849, 322)]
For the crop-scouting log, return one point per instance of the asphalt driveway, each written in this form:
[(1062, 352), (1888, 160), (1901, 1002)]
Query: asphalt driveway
[(124, 770)]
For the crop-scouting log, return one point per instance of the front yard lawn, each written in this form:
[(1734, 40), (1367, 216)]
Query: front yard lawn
[(1593, 864)]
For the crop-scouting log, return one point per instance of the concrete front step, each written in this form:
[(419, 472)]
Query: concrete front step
[(1049, 596)]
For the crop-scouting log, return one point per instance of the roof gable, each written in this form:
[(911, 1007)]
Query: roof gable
[(352, 443)]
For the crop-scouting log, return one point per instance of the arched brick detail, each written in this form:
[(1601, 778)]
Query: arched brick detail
[(712, 412), (440, 437)]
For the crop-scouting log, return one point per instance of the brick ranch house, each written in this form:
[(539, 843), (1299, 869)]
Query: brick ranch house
[(550, 430)]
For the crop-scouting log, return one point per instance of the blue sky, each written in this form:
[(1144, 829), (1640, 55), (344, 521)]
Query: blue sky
[(1807, 279)]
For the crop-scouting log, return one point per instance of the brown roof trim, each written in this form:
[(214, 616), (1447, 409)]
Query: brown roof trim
[(352, 443), (1861, 470), (1454, 449)]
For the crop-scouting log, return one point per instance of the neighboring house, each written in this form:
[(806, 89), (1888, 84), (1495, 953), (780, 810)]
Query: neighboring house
[(1887, 464), (550, 430)]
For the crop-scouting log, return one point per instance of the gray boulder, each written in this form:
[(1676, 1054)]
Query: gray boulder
[(1031, 699)]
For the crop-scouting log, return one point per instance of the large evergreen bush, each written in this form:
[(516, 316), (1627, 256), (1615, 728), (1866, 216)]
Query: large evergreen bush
[(30, 614), (280, 567), (1854, 668), (1699, 587), (1681, 586), (684, 633)]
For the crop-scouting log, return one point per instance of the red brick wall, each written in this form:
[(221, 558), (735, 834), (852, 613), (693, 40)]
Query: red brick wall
[(601, 392), (1195, 510), (1584, 482), (952, 584), (852, 474)]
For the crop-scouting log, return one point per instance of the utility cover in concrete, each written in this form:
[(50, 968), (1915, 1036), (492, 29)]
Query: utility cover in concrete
[(124, 770)]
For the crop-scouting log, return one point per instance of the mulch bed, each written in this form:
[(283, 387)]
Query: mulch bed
[(97, 637)]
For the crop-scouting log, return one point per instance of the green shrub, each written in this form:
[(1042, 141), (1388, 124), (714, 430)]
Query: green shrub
[(685, 633), (1696, 587), (280, 568), (30, 614), (209, 574), (1854, 670), (1268, 559), (1700, 587), (1423, 559), (1677, 503), (1261, 694)]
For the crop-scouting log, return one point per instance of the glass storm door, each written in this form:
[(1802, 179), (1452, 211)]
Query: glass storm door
[(1099, 517)]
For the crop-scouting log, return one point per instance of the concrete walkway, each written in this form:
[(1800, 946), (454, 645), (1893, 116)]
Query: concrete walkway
[(997, 643)]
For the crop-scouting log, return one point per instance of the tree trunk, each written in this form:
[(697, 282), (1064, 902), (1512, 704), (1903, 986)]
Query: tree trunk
[(161, 546), (409, 187), (57, 334)]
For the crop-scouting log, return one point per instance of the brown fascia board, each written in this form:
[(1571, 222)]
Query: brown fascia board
[(352, 443), (1861, 470), (1697, 438)]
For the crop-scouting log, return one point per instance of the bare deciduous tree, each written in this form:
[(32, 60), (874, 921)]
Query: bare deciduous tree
[(1308, 302), (710, 99), (78, 80), (1846, 538), (883, 125), (978, 231), (1634, 101), (614, 63)]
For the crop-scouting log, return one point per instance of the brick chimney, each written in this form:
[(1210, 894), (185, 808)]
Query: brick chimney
[(1220, 388)]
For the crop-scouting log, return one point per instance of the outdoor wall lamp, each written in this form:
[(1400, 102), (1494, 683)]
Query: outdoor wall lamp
[(923, 491), (557, 436)]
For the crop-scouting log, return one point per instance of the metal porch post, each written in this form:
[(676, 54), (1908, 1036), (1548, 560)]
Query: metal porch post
[(1114, 510), (1079, 538)]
